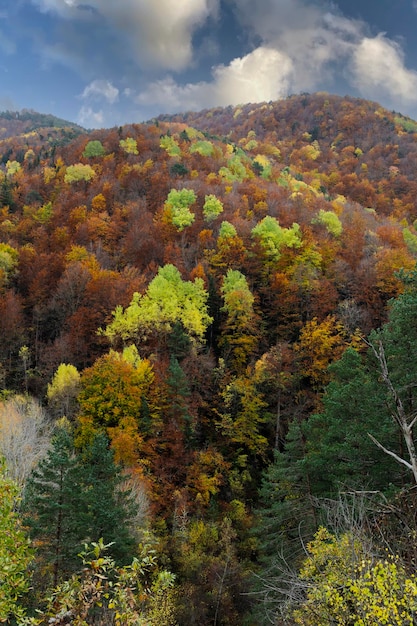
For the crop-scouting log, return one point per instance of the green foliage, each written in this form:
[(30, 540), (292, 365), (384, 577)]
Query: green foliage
[(238, 299), (79, 172), (178, 203), (74, 496), (129, 145), (12, 167), (227, 230), (63, 390), (178, 169), (16, 554), (340, 453), (407, 124), (44, 213), (410, 240), (212, 208), (178, 391), (285, 512), (48, 505), (138, 593), (235, 170), (170, 145), (168, 300), (9, 258), (330, 220), (205, 148), (273, 237), (6, 193), (244, 416), (94, 149), (240, 333)]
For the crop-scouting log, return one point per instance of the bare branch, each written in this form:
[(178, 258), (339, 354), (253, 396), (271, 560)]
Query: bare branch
[(412, 423), (394, 456)]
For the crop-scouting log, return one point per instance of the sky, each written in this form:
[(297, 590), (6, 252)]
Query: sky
[(104, 63)]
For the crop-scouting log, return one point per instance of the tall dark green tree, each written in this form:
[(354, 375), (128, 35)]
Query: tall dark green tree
[(285, 512), (340, 454), (394, 349), (72, 498), (50, 500), (364, 437), (104, 507)]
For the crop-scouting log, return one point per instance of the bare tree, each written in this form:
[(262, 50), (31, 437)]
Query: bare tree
[(405, 421), (24, 435)]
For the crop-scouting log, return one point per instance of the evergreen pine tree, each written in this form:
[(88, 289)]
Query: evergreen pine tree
[(339, 453), (74, 497), (104, 508), (50, 500)]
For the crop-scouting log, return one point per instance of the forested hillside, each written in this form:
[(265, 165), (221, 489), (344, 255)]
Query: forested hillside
[(207, 367)]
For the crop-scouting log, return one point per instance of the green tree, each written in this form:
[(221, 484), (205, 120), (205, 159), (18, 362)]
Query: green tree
[(79, 172), (177, 205), (212, 208), (234, 171), (340, 454), (171, 145), (169, 300), (368, 407), (393, 348), (94, 149), (285, 515), (16, 554), (241, 328), (273, 237), (103, 507), (9, 258), (205, 148), (63, 390), (138, 593), (49, 504), (227, 230), (129, 145), (73, 497), (330, 221)]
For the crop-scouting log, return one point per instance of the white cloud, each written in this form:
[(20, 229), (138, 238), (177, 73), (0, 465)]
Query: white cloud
[(101, 89), (158, 34), (89, 118), (320, 43), (379, 71), (262, 75), (314, 39), (297, 45)]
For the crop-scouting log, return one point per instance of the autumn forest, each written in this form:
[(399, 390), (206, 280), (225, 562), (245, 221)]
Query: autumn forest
[(208, 379)]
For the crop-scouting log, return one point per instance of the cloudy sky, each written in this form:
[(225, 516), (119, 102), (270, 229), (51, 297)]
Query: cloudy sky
[(102, 63)]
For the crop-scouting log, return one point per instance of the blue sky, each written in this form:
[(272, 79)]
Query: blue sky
[(102, 63)]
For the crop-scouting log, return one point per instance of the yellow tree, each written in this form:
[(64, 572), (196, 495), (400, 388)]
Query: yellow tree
[(345, 584)]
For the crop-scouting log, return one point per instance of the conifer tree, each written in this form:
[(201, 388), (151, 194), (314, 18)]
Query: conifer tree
[(74, 497), (104, 507), (49, 504)]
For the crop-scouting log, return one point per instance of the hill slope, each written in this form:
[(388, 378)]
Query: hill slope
[(186, 284)]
